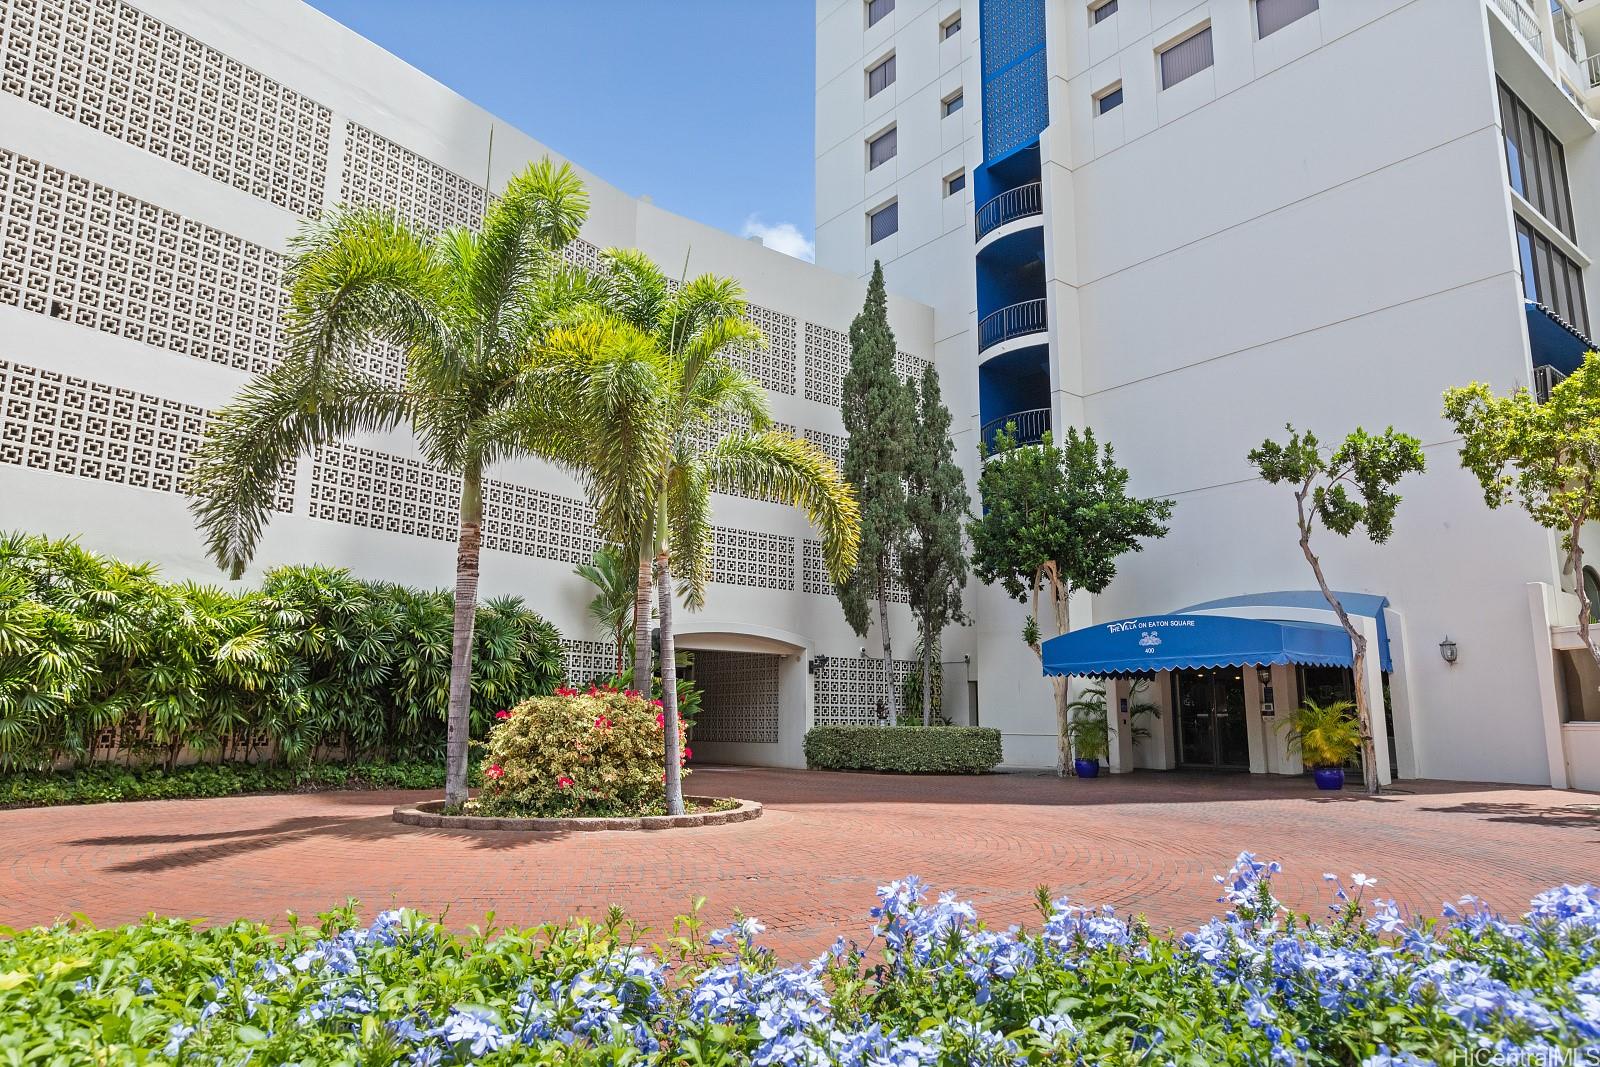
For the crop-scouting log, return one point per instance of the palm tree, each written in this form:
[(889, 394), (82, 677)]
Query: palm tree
[(463, 308), (612, 574), (706, 427)]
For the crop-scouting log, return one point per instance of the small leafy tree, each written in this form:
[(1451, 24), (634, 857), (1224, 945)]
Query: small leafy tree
[(933, 565), (1351, 488), (1545, 457), (1056, 519), (878, 408)]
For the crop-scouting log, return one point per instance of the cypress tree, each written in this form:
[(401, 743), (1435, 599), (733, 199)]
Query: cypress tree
[(878, 410), (933, 565)]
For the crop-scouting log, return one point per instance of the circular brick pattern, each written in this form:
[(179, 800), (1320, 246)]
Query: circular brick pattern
[(426, 815), (1147, 842)]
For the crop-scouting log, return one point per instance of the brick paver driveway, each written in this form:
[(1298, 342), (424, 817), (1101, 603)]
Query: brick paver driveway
[(1146, 842)]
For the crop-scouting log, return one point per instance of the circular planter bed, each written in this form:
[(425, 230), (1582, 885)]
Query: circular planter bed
[(716, 813)]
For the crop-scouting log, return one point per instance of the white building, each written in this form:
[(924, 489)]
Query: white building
[(1185, 222), (1180, 222), (155, 159)]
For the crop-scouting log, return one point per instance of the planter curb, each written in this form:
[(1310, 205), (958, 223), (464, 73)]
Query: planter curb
[(426, 815)]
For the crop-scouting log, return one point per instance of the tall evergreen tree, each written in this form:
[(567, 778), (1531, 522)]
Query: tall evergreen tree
[(878, 408), (933, 565)]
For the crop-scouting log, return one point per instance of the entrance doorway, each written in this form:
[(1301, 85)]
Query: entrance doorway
[(1211, 722)]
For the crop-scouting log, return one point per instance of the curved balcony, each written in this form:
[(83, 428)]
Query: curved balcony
[(1029, 427), (1009, 206), (1018, 320)]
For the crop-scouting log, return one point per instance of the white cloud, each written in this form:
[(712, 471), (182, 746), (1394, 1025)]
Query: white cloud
[(782, 237)]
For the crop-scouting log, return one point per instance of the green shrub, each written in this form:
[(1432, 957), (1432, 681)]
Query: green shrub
[(599, 752), (907, 749), (92, 647), (104, 783)]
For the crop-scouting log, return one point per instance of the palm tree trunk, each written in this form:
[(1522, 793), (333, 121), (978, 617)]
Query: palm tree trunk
[(641, 623), (927, 677), (669, 691), (458, 717), (888, 657)]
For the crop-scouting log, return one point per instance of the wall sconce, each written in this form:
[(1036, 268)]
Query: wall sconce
[(818, 664), (1264, 675), (1447, 649)]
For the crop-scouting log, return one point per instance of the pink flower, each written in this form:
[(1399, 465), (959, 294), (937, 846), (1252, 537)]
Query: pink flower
[(661, 720), (564, 782), (657, 703), (565, 692), (687, 753), (495, 771), (502, 714), (602, 723), (632, 694)]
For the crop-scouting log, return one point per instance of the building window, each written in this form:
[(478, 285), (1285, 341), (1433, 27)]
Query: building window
[(1098, 13), (883, 222), (1186, 58), (1274, 15), (1107, 99), (1591, 592), (880, 77), (950, 28), (955, 183), (1535, 162), (951, 104), (876, 9), (1550, 278), (882, 148)]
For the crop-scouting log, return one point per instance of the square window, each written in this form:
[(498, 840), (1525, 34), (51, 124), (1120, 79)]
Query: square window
[(1274, 15), (1098, 13), (951, 104), (876, 9), (950, 28), (883, 222), (1108, 99), (880, 77), (1186, 58), (882, 148), (955, 183)]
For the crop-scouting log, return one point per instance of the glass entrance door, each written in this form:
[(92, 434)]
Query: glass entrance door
[(1211, 722)]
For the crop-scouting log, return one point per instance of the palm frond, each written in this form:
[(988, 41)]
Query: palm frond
[(253, 441), (637, 291), (689, 534), (784, 468)]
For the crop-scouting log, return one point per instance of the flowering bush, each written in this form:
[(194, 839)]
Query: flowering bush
[(593, 752), (933, 986)]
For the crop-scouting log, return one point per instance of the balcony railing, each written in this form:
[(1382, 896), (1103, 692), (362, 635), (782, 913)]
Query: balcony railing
[(1523, 19), (1566, 34), (1009, 206), (1026, 427), (1545, 378), (1014, 321), (1591, 67)]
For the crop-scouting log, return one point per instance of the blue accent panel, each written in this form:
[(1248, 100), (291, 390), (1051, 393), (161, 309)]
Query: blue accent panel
[(1015, 100), (1177, 642), (1016, 381), (1011, 270), (1554, 341)]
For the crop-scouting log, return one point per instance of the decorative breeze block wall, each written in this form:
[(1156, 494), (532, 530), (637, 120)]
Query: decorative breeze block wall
[(814, 573), (379, 172), (827, 360), (748, 557), (113, 68), (65, 425), (740, 697), (85, 253), (848, 691), (774, 366), (585, 661)]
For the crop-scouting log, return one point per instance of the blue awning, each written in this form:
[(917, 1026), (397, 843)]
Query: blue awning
[(1554, 341), (1174, 642)]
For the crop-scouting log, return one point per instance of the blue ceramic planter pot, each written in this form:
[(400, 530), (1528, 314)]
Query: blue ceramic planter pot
[(1086, 768), (1329, 777)]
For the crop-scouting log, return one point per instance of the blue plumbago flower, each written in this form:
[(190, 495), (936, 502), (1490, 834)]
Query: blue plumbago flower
[(1056, 1029), (473, 1027), (83, 985), (176, 1037), (741, 932), (1070, 926), (145, 989), (272, 970), (1399, 1059)]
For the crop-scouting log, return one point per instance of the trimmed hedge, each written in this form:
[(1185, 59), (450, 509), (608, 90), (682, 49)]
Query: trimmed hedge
[(904, 749), (103, 784)]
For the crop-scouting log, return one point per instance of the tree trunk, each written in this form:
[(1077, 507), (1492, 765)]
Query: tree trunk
[(890, 704), (1358, 660), (1062, 685), (669, 692), (927, 678), (458, 716), (641, 624), (1575, 558)]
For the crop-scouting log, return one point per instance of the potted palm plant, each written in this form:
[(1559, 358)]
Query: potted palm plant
[(1088, 731), (1327, 736)]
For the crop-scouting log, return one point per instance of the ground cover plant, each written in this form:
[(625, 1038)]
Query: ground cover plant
[(1366, 984), (103, 783)]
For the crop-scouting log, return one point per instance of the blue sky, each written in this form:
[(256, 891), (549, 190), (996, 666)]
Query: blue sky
[(706, 105)]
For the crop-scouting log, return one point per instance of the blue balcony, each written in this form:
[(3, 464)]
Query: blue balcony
[(1022, 202), (1024, 428), (1014, 387), (1011, 322)]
